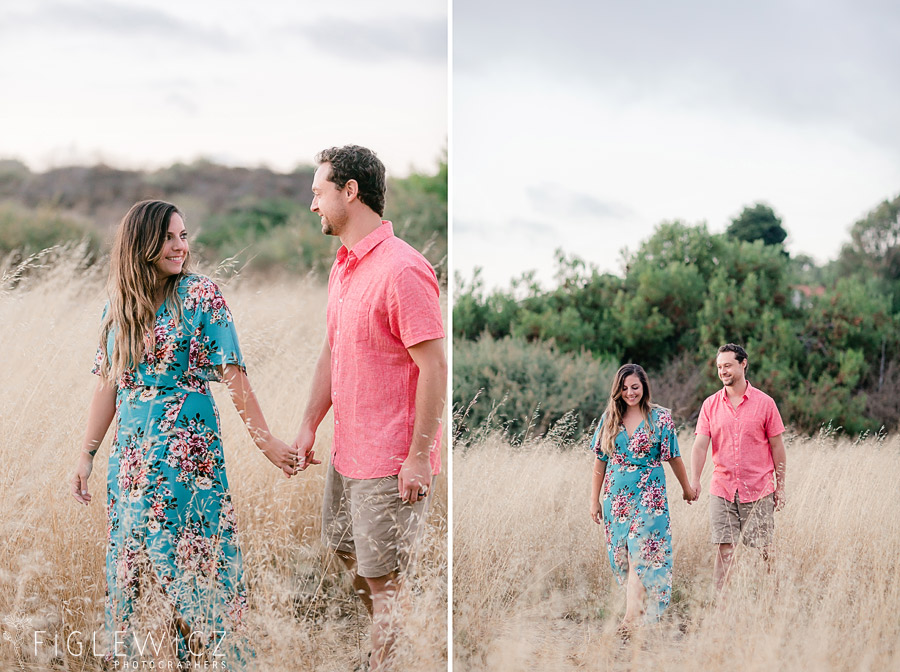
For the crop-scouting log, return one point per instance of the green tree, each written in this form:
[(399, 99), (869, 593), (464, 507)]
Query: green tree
[(874, 248), (417, 205), (758, 223)]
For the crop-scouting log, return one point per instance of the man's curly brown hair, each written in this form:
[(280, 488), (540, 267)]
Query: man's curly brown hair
[(352, 162)]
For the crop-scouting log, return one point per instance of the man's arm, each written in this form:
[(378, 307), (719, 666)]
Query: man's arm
[(779, 457), (431, 392), (698, 459), (316, 408)]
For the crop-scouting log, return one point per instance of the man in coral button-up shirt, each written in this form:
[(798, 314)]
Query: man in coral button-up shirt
[(384, 374), (747, 486)]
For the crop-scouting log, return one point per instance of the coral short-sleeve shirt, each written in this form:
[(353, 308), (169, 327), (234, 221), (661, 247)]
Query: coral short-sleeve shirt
[(383, 297), (741, 453)]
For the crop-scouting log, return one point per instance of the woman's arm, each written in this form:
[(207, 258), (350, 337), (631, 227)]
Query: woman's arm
[(596, 487), (100, 415), (687, 492), (276, 451)]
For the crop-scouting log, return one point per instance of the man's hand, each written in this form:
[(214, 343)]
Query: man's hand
[(303, 446), (414, 479), (780, 499), (696, 486)]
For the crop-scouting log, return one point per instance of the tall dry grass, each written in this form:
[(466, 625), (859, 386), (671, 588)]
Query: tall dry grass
[(533, 590), (304, 615)]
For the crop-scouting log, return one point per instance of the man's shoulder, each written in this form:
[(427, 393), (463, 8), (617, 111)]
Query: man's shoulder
[(762, 396), (399, 254), (398, 260)]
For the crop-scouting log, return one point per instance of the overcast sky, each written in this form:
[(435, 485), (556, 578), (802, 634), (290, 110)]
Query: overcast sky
[(144, 83), (584, 125)]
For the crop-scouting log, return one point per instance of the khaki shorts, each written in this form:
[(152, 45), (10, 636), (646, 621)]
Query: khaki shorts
[(753, 523), (367, 518)]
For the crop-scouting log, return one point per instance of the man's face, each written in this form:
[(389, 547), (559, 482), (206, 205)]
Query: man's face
[(731, 371), (328, 202)]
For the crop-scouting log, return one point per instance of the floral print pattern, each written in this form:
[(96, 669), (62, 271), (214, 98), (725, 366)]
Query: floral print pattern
[(168, 505), (636, 508)]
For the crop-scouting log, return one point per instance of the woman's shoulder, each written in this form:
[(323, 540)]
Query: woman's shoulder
[(662, 417), (197, 286)]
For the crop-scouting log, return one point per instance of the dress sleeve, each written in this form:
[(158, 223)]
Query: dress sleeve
[(214, 342), (595, 443), (668, 438), (101, 347)]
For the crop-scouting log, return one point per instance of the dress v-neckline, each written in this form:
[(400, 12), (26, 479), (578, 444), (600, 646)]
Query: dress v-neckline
[(625, 429)]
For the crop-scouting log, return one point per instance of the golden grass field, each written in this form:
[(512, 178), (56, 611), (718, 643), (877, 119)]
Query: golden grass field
[(304, 615), (533, 590)]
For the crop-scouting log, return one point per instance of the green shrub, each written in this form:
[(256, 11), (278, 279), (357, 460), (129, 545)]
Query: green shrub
[(526, 387), (27, 231)]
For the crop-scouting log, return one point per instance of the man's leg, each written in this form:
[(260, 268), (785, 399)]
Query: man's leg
[(725, 531), (760, 529), (385, 530), (337, 530), (724, 557), (385, 609), (360, 585)]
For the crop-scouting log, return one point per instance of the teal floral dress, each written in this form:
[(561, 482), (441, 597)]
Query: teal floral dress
[(636, 508), (169, 511)]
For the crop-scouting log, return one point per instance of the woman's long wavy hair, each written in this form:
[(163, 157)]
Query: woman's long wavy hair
[(615, 409), (132, 285)]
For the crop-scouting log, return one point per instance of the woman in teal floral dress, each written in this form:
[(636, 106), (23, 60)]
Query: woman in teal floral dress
[(173, 565), (632, 441)]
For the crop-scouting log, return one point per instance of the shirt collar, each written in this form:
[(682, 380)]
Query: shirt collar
[(746, 392), (369, 243)]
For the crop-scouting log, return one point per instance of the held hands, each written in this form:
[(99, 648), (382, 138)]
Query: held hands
[(690, 494), (303, 447), (280, 454), (79, 481), (414, 479)]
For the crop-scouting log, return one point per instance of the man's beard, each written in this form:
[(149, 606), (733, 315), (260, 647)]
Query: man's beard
[(334, 226)]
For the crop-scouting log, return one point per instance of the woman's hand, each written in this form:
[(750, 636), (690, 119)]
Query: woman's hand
[(597, 512), (79, 482), (280, 454), (689, 494)]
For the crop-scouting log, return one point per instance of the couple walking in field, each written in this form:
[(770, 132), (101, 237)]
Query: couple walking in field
[(628, 491), (173, 564)]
